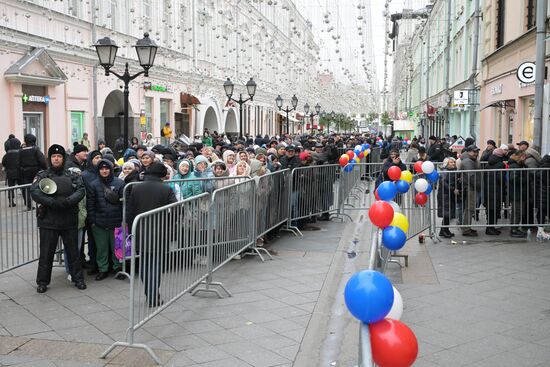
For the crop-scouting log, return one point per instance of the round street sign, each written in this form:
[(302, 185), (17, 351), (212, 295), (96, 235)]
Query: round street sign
[(526, 72)]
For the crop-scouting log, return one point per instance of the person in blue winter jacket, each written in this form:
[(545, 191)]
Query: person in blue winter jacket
[(105, 214)]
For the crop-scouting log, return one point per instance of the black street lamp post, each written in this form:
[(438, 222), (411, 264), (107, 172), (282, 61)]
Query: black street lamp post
[(146, 50), (279, 102), (311, 115), (228, 86)]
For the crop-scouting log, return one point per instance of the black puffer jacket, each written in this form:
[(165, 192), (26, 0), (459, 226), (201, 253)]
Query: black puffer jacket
[(32, 161), (90, 174), (101, 212), (493, 182), (542, 180), (290, 163), (61, 208), (10, 161), (518, 184), (449, 181)]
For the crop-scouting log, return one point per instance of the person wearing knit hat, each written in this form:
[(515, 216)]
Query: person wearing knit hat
[(127, 168), (147, 158), (57, 217), (129, 154), (149, 195), (104, 208), (78, 158), (156, 170)]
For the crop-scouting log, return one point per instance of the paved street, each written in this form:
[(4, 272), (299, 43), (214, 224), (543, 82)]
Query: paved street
[(473, 304)]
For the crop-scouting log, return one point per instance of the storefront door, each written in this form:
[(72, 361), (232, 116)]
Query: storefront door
[(77, 123), (33, 123)]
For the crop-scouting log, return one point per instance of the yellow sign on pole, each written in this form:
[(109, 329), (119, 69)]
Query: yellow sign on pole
[(142, 120)]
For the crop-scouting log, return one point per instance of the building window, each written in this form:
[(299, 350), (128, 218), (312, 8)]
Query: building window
[(113, 13), (77, 126), (146, 14), (528, 118), (531, 14), (500, 22), (164, 111), (148, 113)]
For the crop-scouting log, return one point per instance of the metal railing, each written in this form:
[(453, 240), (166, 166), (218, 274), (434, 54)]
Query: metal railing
[(19, 243), (511, 198)]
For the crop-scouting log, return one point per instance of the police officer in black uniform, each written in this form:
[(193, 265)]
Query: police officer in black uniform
[(58, 216)]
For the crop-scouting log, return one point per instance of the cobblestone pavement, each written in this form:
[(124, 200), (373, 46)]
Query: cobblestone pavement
[(484, 303), (476, 304), (263, 324)]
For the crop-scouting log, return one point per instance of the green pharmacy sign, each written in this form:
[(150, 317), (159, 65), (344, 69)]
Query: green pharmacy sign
[(39, 99), (156, 88)]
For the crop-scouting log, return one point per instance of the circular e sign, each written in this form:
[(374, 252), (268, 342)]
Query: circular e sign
[(526, 72)]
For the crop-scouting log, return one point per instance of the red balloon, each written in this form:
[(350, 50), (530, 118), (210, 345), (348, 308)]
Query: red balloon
[(350, 154), (393, 344), (381, 214), (376, 195), (344, 160), (361, 155), (418, 167), (394, 173), (421, 198)]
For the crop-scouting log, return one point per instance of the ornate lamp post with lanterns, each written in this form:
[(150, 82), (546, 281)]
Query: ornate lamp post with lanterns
[(228, 86), (146, 50), (294, 101), (311, 115)]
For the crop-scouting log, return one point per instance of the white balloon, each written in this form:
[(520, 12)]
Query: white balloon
[(397, 308), (428, 167), (421, 185), (395, 206), (359, 148)]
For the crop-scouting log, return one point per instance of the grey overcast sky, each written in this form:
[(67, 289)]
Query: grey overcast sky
[(343, 17)]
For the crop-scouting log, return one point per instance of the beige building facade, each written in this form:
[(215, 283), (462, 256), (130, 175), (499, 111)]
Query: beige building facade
[(506, 103)]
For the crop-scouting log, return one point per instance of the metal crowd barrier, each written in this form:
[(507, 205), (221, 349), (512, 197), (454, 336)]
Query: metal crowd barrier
[(19, 236), (272, 204), (312, 192), (170, 261), (510, 198), (232, 216), (203, 185)]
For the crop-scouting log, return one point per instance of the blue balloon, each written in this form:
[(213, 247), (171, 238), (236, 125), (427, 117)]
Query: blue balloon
[(367, 146), (369, 296), (393, 238), (402, 186), (428, 190), (348, 167), (357, 152), (364, 147), (387, 191), (433, 177)]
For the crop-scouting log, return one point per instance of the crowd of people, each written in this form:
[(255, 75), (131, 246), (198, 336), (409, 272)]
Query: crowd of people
[(502, 181), (87, 206)]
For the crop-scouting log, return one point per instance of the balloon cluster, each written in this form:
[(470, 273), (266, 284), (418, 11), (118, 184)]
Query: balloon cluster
[(372, 299), (351, 157), (423, 186), (370, 296)]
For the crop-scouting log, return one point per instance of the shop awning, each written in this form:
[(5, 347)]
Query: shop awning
[(289, 116), (36, 67), (186, 98), (499, 104)]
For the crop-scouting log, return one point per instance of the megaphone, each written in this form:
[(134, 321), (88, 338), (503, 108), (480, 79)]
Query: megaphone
[(47, 186)]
